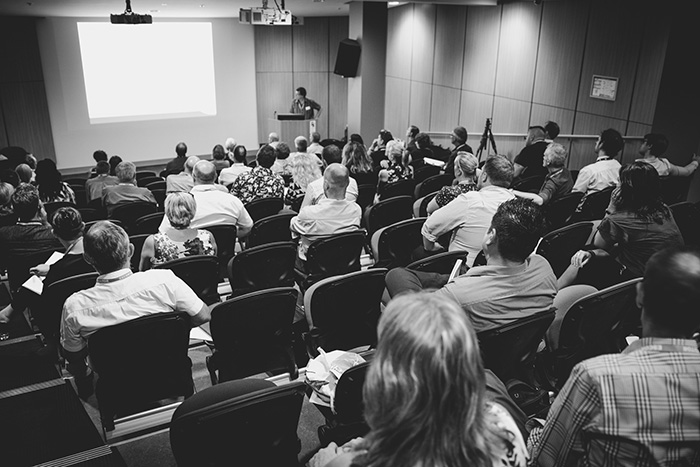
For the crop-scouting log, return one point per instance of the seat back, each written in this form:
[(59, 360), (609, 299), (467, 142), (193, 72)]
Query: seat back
[(432, 184), (509, 350), (393, 245), (675, 189), (270, 229), (529, 184), (144, 173), (156, 184), (399, 188), (365, 195), (75, 181), (593, 206), (18, 265), (145, 181), (140, 362), (339, 316), (420, 206), (244, 422), (594, 325), (348, 403), (252, 334), (48, 317), (80, 195), (425, 172), (90, 214), (264, 207), (127, 213), (262, 267), (138, 241), (441, 263), (296, 203), (387, 212), (201, 273), (148, 224), (560, 245), (334, 255), (160, 194), (560, 210), (225, 238), (687, 217)]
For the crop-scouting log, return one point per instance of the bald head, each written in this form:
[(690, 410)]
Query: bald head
[(190, 163), (204, 173), (335, 181), (273, 137)]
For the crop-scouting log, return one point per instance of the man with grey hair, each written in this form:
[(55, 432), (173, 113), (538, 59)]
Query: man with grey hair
[(331, 215), (301, 143), (558, 181), (182, 181), (126, 191), (215, 205), (273, 139), (118, 296)]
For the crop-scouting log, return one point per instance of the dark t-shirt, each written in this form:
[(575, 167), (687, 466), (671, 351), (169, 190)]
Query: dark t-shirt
[(24, 243), (176, 165), (68, 266), (450, 165), (531, 158), (365, 178)]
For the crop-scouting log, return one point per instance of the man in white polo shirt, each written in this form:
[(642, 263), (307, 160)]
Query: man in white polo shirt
[(314, 191)]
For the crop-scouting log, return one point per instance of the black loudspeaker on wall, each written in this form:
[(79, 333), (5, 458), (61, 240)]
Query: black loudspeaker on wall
[(348, 58)]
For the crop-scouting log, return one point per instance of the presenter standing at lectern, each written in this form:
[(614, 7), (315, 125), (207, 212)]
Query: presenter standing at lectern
[(303, 105)]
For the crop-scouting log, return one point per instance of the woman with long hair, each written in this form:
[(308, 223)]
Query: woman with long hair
[(424, 395), (304, 169), (48, 181), (638, 224), (466, 166), (358, 163)]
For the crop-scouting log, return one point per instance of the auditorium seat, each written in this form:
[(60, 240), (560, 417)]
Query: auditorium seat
[(331, 256), (398, 188), (441, 263), (560, 245), (387, 212), (201, 273), (393, 245), (593, 206), (561, 209), (137, 240), (270, 229), (420, 205), (127, 213), (148, 224), (225, 237), (262, 267), (264, 207), (432, 184)]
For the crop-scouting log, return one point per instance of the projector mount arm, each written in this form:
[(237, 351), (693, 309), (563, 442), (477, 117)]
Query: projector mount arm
[(128, 8)]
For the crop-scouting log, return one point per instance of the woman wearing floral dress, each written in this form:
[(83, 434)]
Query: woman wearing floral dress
[(465, 177)]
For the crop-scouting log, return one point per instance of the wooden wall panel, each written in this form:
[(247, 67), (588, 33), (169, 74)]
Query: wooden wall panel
[(337, 31), (562, 39), (633, 140), (510, 115), (419, 109), (316, 85), (540, 114), (274, 94), (423, 52), (449, 45), (481, 49), (337, 107), (27, 118), (310, 45), (398, 95), (399, 41), (517, 51), (612, 49), (581, 152), (444, 110), (273, 48), (474, 109)]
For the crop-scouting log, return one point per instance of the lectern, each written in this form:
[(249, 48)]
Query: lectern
[(290, 129)]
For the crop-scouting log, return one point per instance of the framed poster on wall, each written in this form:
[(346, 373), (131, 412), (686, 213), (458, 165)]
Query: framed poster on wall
[(604, 87)]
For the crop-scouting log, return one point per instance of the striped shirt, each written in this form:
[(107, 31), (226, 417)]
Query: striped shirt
[(647, 397)]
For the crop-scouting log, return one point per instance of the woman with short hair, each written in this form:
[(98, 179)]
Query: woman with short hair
[(179, 241)]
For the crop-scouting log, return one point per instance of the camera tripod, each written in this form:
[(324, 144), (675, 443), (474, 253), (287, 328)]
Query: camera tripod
[(486, 137)]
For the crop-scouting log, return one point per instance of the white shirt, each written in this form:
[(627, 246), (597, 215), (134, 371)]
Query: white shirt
[(122, 296), (468, 217), (314, 148), (314, 192), (228, 176), (182, 182), (328, 217), (215, 207), (661, 164), (604, 172)]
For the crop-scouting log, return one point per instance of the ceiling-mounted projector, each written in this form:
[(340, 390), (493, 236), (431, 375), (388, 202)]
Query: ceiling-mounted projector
[(129, 17), (267, 16)]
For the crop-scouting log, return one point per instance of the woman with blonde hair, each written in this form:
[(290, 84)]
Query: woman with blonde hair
[(424, 396), (466, 168), (179, 241), (304, 169), (396, 168), (359, 164)]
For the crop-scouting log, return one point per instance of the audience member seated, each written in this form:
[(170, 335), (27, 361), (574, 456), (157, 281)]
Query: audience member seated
[(528, 163), (215, 206), (411, 134), (355, 138), (396, 168), (229, 147), (114, 161), (180, 240), (648, 395), (514, 284), (377, 150), (304, 169), (25, 173), (315, 146), (260, 182), (468, 217), (605, 171), (95, 186), (219, 158), (459, 141), (331, 215), (118, 296), (551, 131), (273, 139), (177, 163), (126, 191), (421, 150), (48, 181), (99, 156), (466, 166), (653, 148), (359, 164), (315, 190), (424, 396), (29, 235), (282, 153), (558, 181), (182, 182), (637, 225), (228, 176), (7, 215)]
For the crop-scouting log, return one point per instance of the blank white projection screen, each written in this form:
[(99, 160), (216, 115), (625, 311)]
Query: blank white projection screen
[(147, 72)]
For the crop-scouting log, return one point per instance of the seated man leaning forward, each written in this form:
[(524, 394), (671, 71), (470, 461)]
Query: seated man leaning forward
[(468, 216), (118, 296), (514, 284), (332, 215)]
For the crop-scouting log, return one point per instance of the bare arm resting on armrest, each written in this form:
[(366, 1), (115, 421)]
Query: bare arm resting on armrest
[(203, 316)]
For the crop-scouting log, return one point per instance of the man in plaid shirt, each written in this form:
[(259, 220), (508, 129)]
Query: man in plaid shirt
[(640, 407)]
